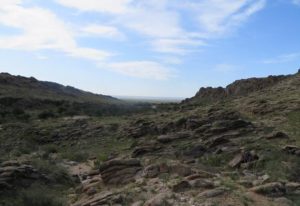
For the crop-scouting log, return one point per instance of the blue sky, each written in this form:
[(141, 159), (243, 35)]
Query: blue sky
[(167, 48)]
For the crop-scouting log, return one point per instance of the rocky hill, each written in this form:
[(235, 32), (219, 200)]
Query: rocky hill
[(238, 146), (31, 88), (22, 98), (238, 88)]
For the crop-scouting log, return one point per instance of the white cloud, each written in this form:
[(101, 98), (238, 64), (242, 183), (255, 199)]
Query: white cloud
[(159, 21), (149, 18), (217, 17), (283, 58), (41, 29), (103, 31), (142, 69), (170, 60), (109, 6), (176, 45)]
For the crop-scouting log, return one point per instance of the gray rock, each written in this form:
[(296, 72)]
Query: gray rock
[(212, 193), (181, 186), (202, 183), (273, 189), (119, 171)]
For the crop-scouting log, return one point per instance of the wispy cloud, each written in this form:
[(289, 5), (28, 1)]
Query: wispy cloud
[(142, 69), (107, 6), (41, 29), (217, 17), (103, 31), (160, 20), (179, 46), (284, 58)]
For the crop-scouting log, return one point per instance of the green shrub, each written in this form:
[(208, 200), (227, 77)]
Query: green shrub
[(39, 195), (78, 156), (51, 148), (55, 173), (46, 115)]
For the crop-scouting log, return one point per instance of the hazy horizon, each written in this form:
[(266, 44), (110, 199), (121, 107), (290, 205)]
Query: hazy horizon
[(149, 48)]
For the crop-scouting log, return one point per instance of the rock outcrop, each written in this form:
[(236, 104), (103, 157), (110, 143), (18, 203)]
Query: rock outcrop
[(238, 88), (119, 171), (14, 174)]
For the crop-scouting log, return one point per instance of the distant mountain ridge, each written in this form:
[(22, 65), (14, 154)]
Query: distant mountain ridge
[(24, 98), (19, 86)]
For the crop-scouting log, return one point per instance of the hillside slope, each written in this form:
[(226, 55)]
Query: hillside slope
[(23, 97), (31, 88), (239, 149)]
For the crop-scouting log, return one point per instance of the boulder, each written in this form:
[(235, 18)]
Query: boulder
[(244, 157), (216, 141), (119, 171), (152, 171), (202, 183), (142, 150), (194, 151), (291, 149), (212, 193), (273, 189), (291, 187), (141, 128), (172, 137), (16, 174), (192, 123), (181, 186), (180, 169)]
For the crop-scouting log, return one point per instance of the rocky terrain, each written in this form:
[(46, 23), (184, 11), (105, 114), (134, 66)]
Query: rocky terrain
[(238, 145)]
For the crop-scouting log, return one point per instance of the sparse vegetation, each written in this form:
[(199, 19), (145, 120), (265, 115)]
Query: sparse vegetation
[(57, 135)]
